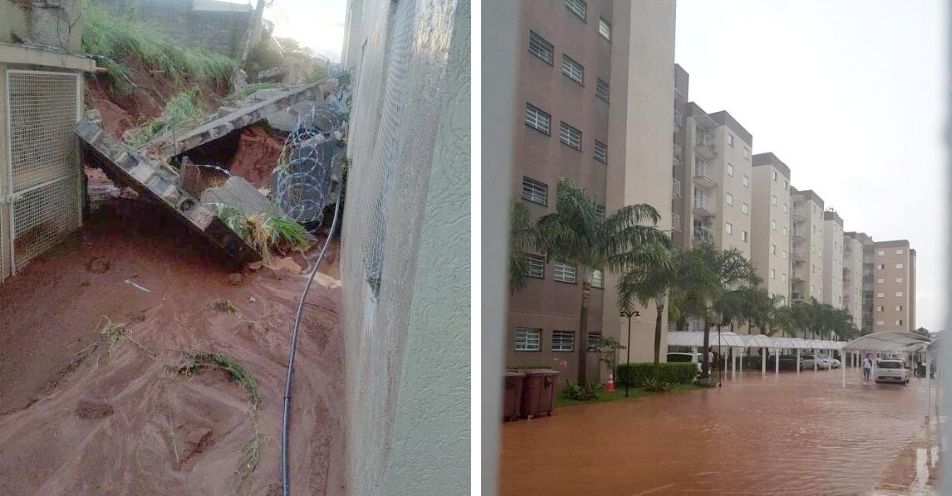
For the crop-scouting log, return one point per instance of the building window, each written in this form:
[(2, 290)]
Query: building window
[(601, 89), (814, 227), (785, 210), (728, 228), (572, 69), (564, 272), (605, 29), (528, 339), (773, 200), (576, 7), (898, 294), (880, 266), (773, 249), (537, 119), (899, 279), (773, 274), (774, 175), (745, 180), (880, 253), (784, 230), (730, 139), (730, 170), (744, 208), (563, 340), (570, 136), (898, 308), (534, 191), (880, 280), (536, 266), (783, 277), (900, 251), (784, 254), (743, 235), (879, 322), (598, 279), (880, 308), (594, 340), (729, 199), (773, 225), (880, 295), (601, 152), (540, 48), (747, 153), (899, 266), (785, 185)]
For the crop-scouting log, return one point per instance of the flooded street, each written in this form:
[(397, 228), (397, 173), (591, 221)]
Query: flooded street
[(792, 434)]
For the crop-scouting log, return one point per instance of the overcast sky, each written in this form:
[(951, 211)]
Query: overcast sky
[(318, 24), (849, 94)]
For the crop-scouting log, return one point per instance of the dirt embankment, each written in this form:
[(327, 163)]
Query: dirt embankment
[(131, 411)]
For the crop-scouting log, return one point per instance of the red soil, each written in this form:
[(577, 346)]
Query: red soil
[(77, 417), (257, 154)]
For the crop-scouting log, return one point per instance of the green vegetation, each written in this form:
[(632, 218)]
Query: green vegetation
[(619, 394), (231, 366), (122, 40), (224, 306), (637, 374), (580, 233), (266, 231), (182, 110), (587, 391)]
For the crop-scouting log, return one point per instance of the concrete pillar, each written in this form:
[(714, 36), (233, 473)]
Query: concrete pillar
[(814, 360), (777, 362), (798, 360), (843, 367), (763, 361)]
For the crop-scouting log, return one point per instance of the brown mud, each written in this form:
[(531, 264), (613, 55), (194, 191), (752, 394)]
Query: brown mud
[(121, 412)]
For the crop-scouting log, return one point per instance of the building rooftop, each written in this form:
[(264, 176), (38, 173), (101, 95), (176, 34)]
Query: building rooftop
[(724, 118), (770, 159), (832, 215), (808, 194)]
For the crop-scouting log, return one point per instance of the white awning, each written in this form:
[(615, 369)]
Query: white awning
[(889, 342), (693, 338)]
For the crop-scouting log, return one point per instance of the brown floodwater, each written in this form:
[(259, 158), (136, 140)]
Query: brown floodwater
[(792, 434)]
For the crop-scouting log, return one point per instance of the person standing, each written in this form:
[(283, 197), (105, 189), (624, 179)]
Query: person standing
[(867, 368)]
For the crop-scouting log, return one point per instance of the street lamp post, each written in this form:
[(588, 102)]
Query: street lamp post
[(629, 314)]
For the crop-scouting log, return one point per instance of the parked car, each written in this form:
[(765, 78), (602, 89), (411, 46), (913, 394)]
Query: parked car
[(835, 363), (678, 357), (787, 362), (825, 362), (891, 371), (821, 363)]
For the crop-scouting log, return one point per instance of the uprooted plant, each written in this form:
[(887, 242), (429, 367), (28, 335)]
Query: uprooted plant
[(268, 232), (182, 110), (236, 372)]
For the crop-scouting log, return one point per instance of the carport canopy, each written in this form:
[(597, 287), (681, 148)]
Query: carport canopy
[(730, 339), (889, 342)]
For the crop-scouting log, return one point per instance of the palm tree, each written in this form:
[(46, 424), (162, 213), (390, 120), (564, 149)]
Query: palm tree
[(702, 275), (648, 283), (522, 239), (576, 233), (779, 317)]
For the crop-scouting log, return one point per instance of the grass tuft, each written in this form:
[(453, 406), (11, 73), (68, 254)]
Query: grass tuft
[(265, 231), (182, 110), (224, 306), (239, 95), (236, 372)]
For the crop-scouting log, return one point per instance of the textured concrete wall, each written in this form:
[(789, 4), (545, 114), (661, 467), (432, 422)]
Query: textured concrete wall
[(405, 258), (51, 23)]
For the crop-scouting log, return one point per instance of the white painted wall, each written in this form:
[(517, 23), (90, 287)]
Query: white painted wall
[(405, 257)]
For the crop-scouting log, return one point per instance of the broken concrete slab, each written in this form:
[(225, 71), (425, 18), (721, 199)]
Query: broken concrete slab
[(158, 181), (239, 194), (168, 146)]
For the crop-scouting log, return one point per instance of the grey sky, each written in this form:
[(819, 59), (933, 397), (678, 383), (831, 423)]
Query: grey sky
[(318, 24), (848, 93)]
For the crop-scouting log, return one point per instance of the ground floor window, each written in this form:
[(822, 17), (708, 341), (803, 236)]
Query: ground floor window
[(563, 340), (528, 339)]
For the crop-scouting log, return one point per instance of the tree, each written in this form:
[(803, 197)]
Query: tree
[(575, 233), (922, 331), (702, 275), (254, 24), (648, 283), (522, 239)]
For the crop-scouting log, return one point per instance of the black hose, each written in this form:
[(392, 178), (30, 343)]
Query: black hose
[(285, 481)]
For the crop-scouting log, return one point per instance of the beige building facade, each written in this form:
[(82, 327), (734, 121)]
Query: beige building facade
[(832, 259), (592, 104), (894, 288), (853, 277), (770, 223), (806, 245)]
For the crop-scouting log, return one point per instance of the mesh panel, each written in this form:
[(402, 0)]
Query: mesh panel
[(42, 117), (42, 217), (45, 173)]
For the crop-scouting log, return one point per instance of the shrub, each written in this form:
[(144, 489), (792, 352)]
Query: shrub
[(581, 392), (182, 110), (635, 374), (656, 385)]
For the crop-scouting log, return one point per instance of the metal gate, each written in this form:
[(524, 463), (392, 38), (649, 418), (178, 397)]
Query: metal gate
[(43, 172)]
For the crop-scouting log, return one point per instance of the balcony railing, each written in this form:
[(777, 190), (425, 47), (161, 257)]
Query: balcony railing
[(703, 234), (703, 205), (704, 144), (702, 174), (676, 188), (676, 222), (677, 152)]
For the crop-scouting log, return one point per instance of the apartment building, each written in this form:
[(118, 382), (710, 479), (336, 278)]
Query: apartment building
[(853, 276), (712, 176), (832, 259), (893, 286), (867, 281), (592, 105), (806, 245), (770, 223)]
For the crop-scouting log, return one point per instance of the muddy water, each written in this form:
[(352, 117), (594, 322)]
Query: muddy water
[(793, 434)]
